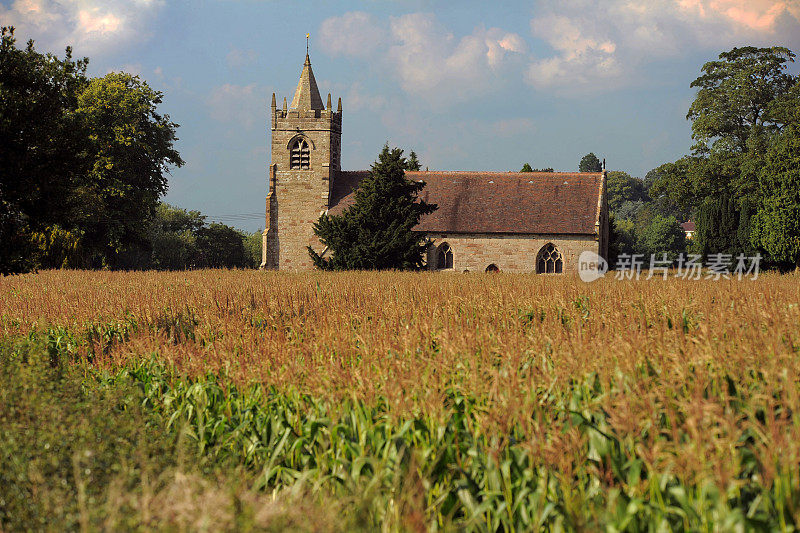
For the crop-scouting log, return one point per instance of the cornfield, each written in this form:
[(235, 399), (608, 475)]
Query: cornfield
[(428, 401)]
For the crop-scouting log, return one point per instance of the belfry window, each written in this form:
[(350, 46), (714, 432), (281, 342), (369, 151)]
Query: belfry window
[(549, 260), (300, 155), (444, 257)]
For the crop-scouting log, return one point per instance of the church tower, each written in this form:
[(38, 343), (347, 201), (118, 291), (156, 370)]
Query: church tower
[(306, 155)]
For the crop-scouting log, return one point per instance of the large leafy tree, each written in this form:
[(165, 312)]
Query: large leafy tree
[(130, 150), (42, 147), (738, 96), (377, 231), (590, 163), (776, 225), (84, 161), (622, 187), (743, 103)]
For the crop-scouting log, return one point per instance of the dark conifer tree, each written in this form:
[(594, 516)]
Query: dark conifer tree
[(377, 231)]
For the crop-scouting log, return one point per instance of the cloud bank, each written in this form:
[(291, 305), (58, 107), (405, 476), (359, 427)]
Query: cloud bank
[(91, 26), (583, 45)]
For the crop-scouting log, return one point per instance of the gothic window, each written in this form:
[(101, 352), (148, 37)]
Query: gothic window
[(444, 257), (300, 155), (549, 260), (492, 268)]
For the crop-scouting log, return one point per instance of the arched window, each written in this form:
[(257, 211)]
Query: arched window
[(300, 155), (492, 268), (549, 260), (444, 257)]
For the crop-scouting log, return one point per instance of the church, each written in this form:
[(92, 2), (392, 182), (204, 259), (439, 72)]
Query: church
[(486, 221)]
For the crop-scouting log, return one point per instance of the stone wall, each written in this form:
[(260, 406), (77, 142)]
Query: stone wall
[(510, 253), (297, 198)]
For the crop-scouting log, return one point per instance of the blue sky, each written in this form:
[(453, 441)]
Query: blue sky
[(469, 85)]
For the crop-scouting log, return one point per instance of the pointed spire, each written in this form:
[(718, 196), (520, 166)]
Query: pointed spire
[(284, 105), (273, 102), (339, 109), (328, 107), (306, 96)]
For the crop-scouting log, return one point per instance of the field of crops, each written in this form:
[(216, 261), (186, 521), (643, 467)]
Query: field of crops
[(410, 401)]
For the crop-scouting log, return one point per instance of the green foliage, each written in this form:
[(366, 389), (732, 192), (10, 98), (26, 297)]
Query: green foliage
[(221, 246), (590, 163), (622, 238), (130, 149), (527, 168), (85, 451), (377, 231), (722, 227), (181, 239), (776, 225), (738, 95), (412, 163), (744, 105), (622, 187), (663, 235), (42, 141), (87, 156)]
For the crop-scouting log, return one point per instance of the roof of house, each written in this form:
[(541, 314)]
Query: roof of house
[(306, 96), (688, 226), (497, 202)]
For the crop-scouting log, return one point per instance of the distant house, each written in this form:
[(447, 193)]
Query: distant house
[(688, 228)]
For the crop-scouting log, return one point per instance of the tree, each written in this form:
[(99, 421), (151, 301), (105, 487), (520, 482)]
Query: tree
[(252, 246), (377, 231), (590, 163), (663, 235), (526, 168), (173, 238), (41, 142), (221, 246), (621, 187), (130, 149), (412, 163), (723, 227), (776, 224), (737, 97), (745, 101), (83, 161), (622, 238)]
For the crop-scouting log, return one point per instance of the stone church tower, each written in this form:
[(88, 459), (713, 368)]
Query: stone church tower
[(306, 155)]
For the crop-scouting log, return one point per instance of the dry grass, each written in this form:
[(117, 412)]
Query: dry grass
[(685, 373)]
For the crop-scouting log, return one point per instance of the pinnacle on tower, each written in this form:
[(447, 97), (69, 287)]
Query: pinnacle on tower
[(339, 108), (328, 107), (306, 96)]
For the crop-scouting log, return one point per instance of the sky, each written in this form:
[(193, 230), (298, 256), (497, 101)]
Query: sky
[(468, 85)]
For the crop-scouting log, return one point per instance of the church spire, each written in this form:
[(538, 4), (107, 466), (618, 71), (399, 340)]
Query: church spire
[(306, 96)]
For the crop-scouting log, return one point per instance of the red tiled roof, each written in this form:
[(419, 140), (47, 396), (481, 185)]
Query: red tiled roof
[(688, 226), (497, 202)]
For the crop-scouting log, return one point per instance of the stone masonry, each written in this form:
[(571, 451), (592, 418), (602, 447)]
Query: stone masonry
[(503, 220), (297, 197)]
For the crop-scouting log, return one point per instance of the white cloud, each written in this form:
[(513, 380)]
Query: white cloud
[(424, 56), (598, 45), (511, 127), (90, 26), (240, 58), (353, 34), (430, 62), (357, 99), (236, 104)]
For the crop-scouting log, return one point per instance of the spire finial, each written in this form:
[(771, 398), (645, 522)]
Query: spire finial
[(308, 36)]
